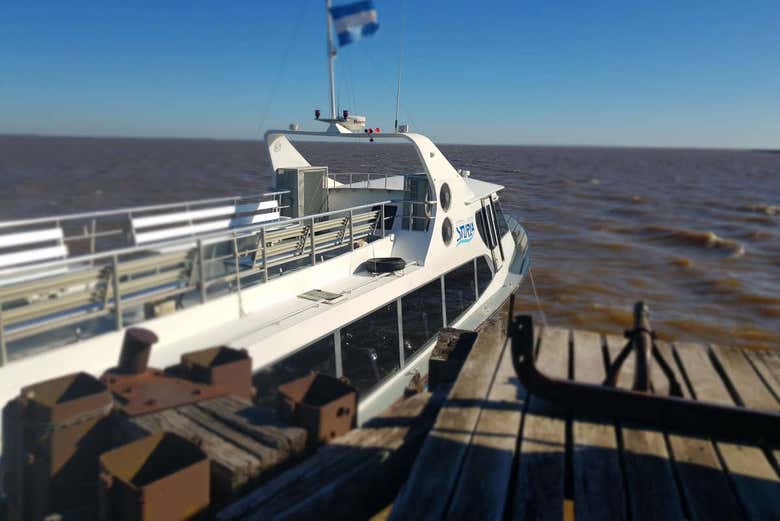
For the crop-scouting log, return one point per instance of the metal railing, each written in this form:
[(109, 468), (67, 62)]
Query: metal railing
[(417, 215), (103, 230), (55, 295), (346, 179)]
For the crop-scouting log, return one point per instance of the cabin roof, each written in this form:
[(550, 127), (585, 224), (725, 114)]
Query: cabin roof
[(480, 189)]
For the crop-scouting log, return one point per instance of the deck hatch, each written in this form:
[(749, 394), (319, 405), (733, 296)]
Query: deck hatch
[(326, 297)]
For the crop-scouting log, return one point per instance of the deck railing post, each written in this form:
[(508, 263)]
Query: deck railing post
[(202, 271), (241, 311), (264, 255), (92, 238), (117, 296), (399, 312), (311, 241), (476, 280), (351, 232), (443, 302), (337, 346), (3, 351), (383, 220)]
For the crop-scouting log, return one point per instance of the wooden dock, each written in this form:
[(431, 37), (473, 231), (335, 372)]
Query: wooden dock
[(491, 450)]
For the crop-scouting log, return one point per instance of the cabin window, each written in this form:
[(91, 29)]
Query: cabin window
[(459, 290), (369, 347), (484, 275), (445, 197), (422, 316), (319, 356), (503, 227), (482, 227), (446, 231)]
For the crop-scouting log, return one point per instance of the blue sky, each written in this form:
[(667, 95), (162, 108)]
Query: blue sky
[(664, 73)]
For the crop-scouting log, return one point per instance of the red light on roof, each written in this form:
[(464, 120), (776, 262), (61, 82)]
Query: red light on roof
[(377, 130)]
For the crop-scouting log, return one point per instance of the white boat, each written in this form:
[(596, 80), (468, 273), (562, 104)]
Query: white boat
[(287, 275)]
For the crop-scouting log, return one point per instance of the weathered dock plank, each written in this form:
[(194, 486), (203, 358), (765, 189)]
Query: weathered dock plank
[(259, 423), (487, 469), (661, 384), (244, 443), (597, 478), (434, 477), (352, 477), (652, 490), (703, 481), (743, 379), (231, 466), (751, 474), (763, 364), (539, 493)]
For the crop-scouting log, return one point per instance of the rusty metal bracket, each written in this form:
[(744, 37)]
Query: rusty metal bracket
[(667, 412), (641, 340), (153, 390)]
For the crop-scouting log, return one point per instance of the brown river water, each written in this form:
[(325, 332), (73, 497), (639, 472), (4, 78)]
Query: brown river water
[(694, 233)]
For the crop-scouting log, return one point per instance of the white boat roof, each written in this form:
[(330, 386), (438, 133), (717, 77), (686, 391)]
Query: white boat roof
[(480, 189)]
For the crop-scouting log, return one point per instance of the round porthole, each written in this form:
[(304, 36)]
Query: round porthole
[(445, 197), (446, 231)]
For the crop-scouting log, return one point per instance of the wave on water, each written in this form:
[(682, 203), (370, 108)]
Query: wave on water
[(767, 209), (707, 239), (681, 262)]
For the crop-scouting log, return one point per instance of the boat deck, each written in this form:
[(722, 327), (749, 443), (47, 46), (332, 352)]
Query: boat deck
[(496, 452), (255, 328)]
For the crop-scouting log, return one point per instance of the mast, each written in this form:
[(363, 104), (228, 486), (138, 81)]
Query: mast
[(331, 58), (400, 59)]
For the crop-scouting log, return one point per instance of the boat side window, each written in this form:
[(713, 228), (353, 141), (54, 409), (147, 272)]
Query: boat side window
[(503, 227), (422, 316), (319, 356), (459, 290), (484, 275), (482, 228), (369, 347)]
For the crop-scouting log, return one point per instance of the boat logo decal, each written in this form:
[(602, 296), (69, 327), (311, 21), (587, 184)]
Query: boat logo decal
[(465, 232)]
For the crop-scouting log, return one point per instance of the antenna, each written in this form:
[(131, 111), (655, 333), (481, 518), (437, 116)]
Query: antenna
[(331, 58), (400, 60)]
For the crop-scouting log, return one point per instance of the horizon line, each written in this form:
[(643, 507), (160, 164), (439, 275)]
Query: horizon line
[(446, 143)]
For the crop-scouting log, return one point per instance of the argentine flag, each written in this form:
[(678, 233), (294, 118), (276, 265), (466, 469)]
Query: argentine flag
[(353, 21)]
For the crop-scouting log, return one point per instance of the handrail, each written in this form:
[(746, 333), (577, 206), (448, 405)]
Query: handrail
[(125, 278), (227, 234), (134, 209)]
